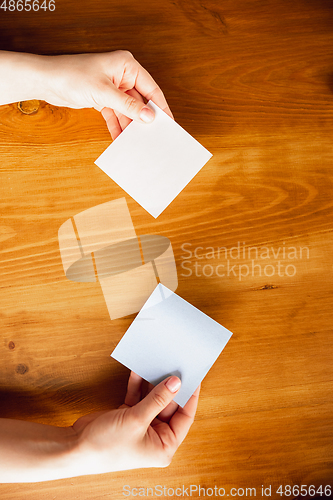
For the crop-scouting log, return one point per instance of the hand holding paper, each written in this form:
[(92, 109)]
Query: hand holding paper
[(131, 437), (112, 82), (134, 436)]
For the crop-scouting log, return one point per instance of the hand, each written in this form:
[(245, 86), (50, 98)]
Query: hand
[(141, 433), (113, 83)]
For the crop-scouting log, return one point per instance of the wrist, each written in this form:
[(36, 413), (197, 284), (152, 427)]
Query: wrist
[(32, 452), (35, 68), (22, 76)]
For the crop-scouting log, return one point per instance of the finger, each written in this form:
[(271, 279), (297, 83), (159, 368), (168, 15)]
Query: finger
[(146, 388), (167, 413), (124, 121), (111, 122), (147, 87), (182, 420), (133, 394), (113, 98), (157, 400), (150, 387)]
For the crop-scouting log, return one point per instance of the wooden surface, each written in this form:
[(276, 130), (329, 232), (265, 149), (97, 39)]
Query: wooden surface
[(253, 82)]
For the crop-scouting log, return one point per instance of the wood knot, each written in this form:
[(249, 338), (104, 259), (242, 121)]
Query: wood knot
[(22, 369), (29, 107), (268, 287), (11, 345)]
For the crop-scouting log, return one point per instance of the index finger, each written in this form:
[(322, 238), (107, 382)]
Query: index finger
[(182, 420), (147, 87), (134, 386)]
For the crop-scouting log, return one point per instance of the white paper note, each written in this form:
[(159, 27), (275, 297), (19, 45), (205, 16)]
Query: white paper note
[(169, 336), (153, 162)]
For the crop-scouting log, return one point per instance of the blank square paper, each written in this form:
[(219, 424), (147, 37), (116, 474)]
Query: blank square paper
[(169, 336), (153, 162)]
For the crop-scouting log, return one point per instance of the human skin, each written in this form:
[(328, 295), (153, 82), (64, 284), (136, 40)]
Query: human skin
[(113, 83), (143, 432)]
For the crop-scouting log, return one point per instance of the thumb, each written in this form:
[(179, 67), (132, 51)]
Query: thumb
[(127, 105), (157, 399)]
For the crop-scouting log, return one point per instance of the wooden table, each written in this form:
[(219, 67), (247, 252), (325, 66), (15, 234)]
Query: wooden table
[(252, 81)]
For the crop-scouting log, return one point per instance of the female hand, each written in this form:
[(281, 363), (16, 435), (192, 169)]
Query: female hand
[(141, 433), (113, 83)]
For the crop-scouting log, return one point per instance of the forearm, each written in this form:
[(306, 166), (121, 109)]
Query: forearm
[(21, 76), (31, 452)]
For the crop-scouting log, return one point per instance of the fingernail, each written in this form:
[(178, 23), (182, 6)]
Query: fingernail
[(173, 384), (147, 115)]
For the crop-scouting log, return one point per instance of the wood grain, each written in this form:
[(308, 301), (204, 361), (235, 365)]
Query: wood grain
[(253, 82)]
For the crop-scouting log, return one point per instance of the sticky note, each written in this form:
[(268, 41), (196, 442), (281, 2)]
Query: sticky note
[(169, 336), (153, 162)]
